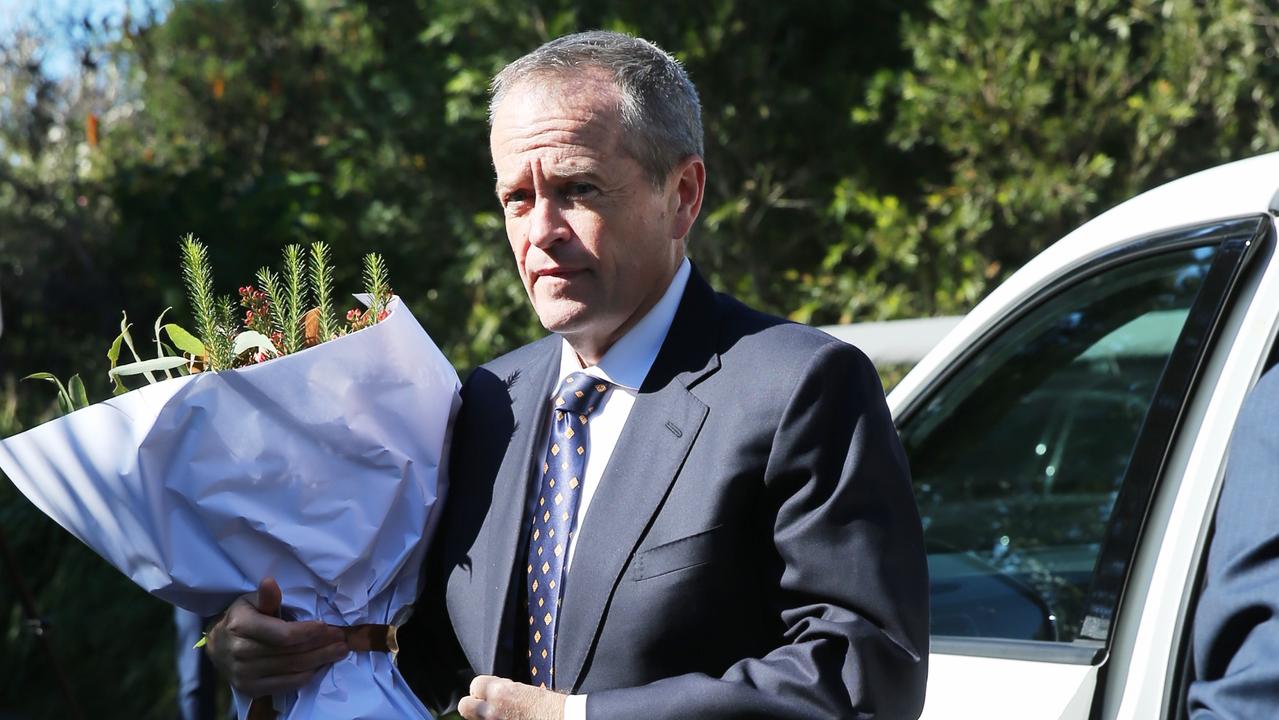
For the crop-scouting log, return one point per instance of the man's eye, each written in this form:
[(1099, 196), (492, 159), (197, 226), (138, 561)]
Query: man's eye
[(515, 197), (580, 189)]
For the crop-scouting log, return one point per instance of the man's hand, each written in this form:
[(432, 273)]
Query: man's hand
[(261, 654), (494, 698)]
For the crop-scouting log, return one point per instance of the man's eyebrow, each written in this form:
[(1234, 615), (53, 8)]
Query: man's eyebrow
[(587, 169)]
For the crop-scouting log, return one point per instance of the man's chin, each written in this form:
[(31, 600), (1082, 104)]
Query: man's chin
[(564, 317)]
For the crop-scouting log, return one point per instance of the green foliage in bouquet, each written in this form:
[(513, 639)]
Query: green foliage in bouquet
[(295, 290), (287, 313), (198, 276), (322, 284), (71, 397), (276, 320), (375, 279)]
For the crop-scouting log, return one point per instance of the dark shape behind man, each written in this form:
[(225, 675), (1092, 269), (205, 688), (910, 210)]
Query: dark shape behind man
[(725, 527), (1236, 625)]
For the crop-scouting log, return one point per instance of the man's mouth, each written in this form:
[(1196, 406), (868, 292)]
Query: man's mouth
[(561, 273)]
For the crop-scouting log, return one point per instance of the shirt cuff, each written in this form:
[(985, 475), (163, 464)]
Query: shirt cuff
[(575, 707)]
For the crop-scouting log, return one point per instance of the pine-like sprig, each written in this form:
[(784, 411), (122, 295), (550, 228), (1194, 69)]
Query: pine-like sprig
[(269, 283), (294, 299), (376, 284), (322, 285), (199, 281), (222, 348)]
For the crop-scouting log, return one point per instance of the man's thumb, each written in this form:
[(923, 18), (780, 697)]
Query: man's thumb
[(268, 597)]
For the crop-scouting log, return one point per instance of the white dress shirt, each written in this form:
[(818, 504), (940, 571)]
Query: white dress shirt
[(625, 365)]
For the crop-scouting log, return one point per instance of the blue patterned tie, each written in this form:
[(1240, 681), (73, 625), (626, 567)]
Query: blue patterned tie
[(553, 513)]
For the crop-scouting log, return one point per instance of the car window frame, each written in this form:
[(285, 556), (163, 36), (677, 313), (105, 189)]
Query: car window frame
[(1237, 240)]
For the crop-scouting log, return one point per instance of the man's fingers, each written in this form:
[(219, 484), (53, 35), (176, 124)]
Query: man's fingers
[(494, 698), (271, 636), (479, 686), (268, 597), (244, 650), (473, 709), (269, 665), (243, 619), (477, 705), (262, 654)]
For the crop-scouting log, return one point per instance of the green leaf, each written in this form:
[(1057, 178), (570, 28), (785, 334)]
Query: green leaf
[(64, 399), (169, 351), (185, 341), (128, 341), (159, 346), (75, 389), (253, 340), (113, 355), (303, 178), (124, 333), (149, 366)]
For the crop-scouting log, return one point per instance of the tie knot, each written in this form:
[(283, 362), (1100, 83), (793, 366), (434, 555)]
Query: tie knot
[(580, 394)]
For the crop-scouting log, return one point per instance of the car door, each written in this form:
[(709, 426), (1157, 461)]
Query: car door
[(1036, 452)]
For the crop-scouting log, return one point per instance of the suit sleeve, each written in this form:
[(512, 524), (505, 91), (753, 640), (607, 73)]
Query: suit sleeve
[(1236, 625), (431, 661), (430, 658), (851, 588)]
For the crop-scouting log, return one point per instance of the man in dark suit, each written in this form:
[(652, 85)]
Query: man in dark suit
[(1236, 625), (673, 506)]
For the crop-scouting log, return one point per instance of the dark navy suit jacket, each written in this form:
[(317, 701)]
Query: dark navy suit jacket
[(1236, 626), (753, 550)]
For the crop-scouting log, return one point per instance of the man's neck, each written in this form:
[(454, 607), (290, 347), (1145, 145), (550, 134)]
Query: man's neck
[(592, 349), (641, 335)]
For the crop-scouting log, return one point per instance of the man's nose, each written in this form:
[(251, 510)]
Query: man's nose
[(548, 223)]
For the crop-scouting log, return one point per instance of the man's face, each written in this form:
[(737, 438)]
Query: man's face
[(595, 242)]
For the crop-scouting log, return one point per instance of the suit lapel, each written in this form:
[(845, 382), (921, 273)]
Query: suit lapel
[(658, 435), (529, 390)]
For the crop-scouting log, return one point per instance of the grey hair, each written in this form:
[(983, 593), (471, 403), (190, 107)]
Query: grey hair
[(660, 111)]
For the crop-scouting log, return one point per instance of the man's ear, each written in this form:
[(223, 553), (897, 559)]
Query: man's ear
[(690, 186)]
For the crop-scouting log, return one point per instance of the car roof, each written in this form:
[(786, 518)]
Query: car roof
[(1245, 187), (895, 342)]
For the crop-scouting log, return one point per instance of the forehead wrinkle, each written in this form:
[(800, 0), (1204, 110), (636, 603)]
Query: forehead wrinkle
[(565, 133), (589, 131), (558, 152)]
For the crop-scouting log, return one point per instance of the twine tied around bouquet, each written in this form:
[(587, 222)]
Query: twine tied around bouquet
[(360, 638)]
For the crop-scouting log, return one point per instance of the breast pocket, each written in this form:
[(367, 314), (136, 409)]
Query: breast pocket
[(682, 554)]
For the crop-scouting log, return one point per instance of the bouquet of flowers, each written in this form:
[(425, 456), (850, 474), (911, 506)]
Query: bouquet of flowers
[(291, 447)]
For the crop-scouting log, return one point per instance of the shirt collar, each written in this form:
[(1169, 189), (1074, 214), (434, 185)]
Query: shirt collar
[(627, 363)]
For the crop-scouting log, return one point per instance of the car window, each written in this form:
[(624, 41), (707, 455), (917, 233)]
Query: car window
[(1019, 455)]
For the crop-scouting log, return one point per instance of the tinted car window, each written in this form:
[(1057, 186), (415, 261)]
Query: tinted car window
[(1018, 457)]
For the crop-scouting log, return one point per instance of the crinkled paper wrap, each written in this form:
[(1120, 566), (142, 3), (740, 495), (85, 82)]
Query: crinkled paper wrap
[(321, 469)]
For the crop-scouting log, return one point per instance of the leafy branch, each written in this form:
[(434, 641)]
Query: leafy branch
[(294, 298), (199, 280), (269, 282), (322, 284), (376, 285), (275, 315)]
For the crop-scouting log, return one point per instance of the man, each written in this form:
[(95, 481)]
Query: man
[(673, 506), (1236, 626)]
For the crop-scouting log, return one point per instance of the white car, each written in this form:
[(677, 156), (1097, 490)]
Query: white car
[(1067, 440)]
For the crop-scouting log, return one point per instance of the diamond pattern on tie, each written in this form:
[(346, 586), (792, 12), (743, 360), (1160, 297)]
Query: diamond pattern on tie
[(576, 398)]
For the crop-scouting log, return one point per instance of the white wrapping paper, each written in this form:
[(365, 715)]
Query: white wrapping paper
[(321, 469)]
